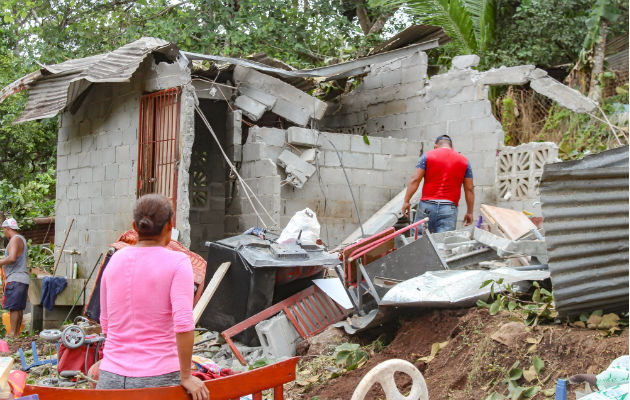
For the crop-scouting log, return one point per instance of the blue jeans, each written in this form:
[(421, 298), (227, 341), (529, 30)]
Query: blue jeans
[(442, 216)]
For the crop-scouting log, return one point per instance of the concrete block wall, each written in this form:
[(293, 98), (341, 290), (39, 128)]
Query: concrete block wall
[(97, 169), (397, 100), (377, 172)]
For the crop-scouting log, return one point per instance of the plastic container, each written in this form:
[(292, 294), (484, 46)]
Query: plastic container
[(6, 321)]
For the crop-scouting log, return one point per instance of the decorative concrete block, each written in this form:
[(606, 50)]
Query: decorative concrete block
[(519, 169)]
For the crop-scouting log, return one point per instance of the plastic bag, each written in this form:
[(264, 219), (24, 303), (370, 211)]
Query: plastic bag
[(304, 221)]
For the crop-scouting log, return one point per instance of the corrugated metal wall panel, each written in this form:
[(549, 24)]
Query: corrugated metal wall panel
[(585, 210)]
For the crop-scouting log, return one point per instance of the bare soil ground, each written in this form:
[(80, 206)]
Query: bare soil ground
[(472, 364)]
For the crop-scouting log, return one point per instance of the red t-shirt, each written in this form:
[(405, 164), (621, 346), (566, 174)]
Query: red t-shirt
[(445, 170)]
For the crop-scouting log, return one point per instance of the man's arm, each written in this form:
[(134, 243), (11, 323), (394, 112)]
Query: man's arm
[(469, 193), (14, 248), (414, 182)]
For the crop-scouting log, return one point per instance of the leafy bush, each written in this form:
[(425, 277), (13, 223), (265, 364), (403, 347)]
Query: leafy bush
[(28, 200)]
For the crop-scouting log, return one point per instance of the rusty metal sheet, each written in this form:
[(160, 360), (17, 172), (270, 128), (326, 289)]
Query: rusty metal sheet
[(55, 86), (411, 35), (585, 210)]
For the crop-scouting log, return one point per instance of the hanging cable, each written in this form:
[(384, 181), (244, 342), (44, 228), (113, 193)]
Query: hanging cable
[(244, 184)]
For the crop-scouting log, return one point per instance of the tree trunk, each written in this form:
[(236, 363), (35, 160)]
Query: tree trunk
[(364, 19), (599, 51), (379, 24)]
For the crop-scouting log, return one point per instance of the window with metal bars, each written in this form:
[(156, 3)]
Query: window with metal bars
[(158, 153)]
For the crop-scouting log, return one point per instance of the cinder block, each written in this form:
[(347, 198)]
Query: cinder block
[(357, 160), (331, 159), (366, 177), (123, 155), (298, 171), (84, 174), (484, 125), (253, 151), (259, 168), (381, 162), (391, 78), (98, 173), (340, 140), (465, 61), (111, 172), (357, 144), (395, 147), (302, 136), (271, 136), (250, 107)]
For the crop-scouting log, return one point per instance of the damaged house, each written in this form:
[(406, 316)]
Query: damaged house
[(148, 117)]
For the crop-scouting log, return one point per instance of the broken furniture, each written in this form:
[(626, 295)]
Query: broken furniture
[(36, 361), (513, 224), (309, 311), (390, 267), (384, 373), (252, 382), (261, 274)]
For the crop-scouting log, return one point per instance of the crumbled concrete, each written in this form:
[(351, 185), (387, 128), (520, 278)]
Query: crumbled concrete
[(250, 107), (563, 95), (465, 62), (291, 103), (518, 75), (165, 76), (302, 136), (298, 171)]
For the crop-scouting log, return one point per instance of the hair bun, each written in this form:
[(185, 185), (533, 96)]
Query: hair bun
[(145, 224)]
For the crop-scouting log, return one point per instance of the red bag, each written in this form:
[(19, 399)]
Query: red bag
[(74, 359)]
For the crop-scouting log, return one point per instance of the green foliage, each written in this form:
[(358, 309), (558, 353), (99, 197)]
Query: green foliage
[(41, 256), (261, 362), (28, 200), (603, 10), (350, 356), (540, 32), (514, 374), (504, 297), (470, 23), (578, 135)]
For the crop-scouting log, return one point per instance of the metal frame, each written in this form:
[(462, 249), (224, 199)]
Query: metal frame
[(310, 311), (361, 250), (158, 144)]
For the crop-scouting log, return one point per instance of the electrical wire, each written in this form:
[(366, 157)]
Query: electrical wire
[(354, 201), (244, 184)]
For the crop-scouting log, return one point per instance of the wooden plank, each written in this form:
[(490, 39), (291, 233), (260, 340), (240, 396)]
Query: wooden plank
[(209, 291), (229, 387), (513, 224)]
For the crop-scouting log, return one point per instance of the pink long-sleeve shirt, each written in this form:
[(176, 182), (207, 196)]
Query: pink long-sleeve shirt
[(146, 297)]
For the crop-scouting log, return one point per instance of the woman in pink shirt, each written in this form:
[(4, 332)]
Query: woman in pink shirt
[(146, 308)]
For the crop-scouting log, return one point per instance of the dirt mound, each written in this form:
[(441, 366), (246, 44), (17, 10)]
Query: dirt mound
[(472, 364)]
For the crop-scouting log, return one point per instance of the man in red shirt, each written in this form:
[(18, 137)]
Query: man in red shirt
[(444, 172)]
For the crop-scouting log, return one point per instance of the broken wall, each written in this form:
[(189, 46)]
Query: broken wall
[(377, 172), (396, 100), (97, 163)]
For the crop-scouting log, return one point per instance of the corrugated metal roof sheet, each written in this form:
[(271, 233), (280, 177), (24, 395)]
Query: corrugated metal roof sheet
[(411, 35), (58, 85), (585, 210)]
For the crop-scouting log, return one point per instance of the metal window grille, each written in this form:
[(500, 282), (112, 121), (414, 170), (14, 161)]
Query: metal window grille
[(158, 152)]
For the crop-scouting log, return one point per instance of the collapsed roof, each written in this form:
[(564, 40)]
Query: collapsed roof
[(53, 88)]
